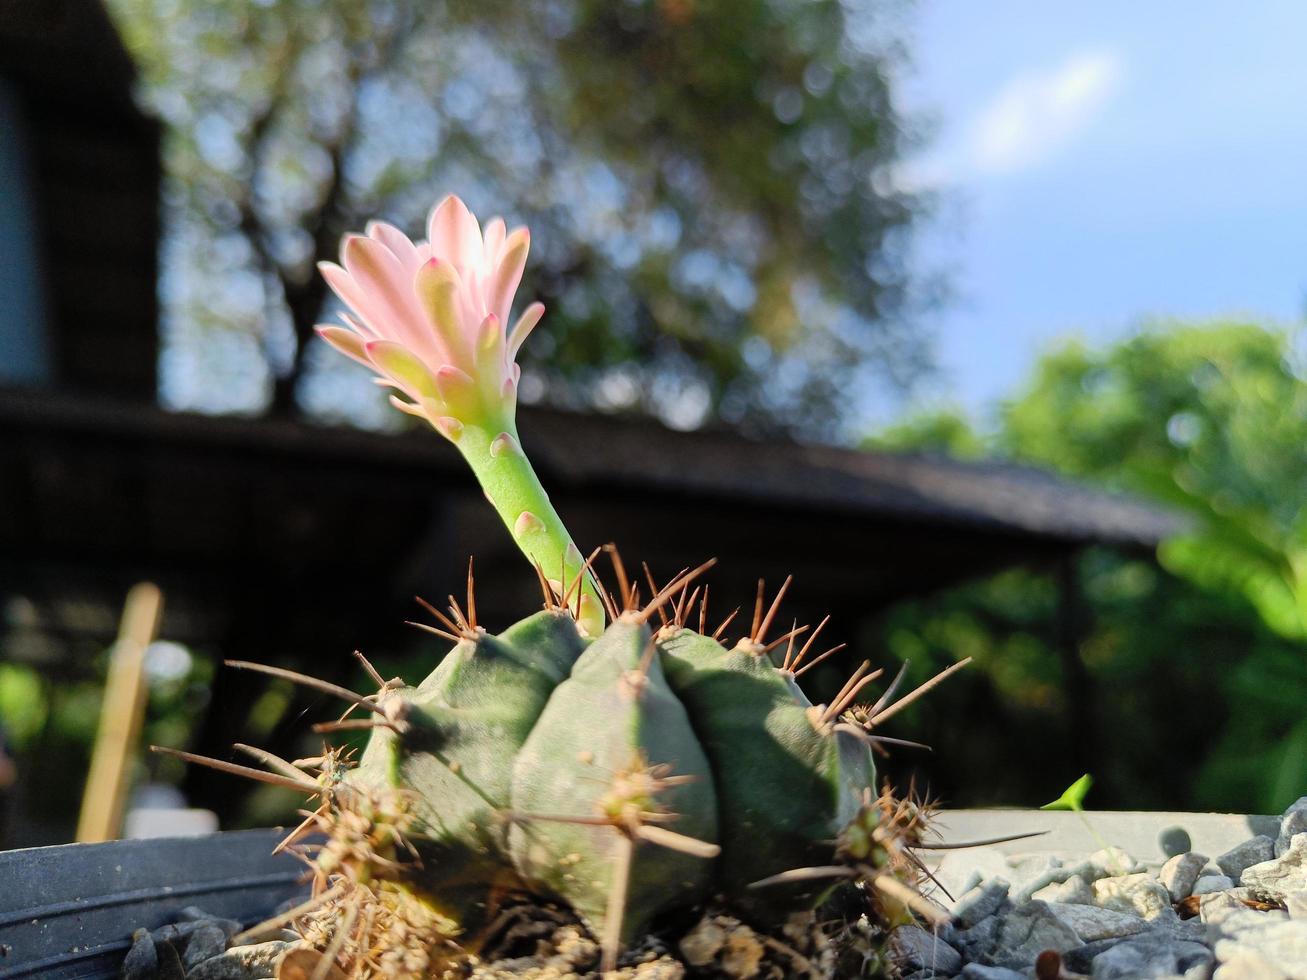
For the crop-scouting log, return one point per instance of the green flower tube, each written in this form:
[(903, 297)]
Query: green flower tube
[(429, 318)]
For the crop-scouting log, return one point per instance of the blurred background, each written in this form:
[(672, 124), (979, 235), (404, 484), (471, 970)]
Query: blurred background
[(985, 322)]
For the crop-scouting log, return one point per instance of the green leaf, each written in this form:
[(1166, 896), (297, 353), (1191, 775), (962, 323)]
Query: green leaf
[(1073, 797)]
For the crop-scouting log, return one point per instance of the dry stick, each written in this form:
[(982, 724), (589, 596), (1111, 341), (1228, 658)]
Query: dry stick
[(843, 704), (717, 633), (434, 631), (806, 874), (371, 671), (848, 684), (306, 785), (677, 842), (271, 761), (880, 739), (471, 596), (657, 602), (653, 589), (611, 943), (977, 843), (294, 836), (323, 969), (814, 662), (610, 606), (576, 582), (325, 686), (683, 617), (545, 590), (457, 612), (884, 699), (757, 609), (287, 917), (118, 732), (894, 888), (907, 699), (619, 569), (793, 664), (760, 636), (679, 609), (445, 621), (351, 725), (789, 647), (798, 630), (920, 866)]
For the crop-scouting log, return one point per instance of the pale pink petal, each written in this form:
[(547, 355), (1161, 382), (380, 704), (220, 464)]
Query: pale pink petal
[(399, 364), (457, 390), (389, 306), (495, 235), (454, 233), (490, 353), (522, 329), (397, 242), (344, 286), (408, 408), (508, 274), (346, 341), (436, 289), (358, 326)]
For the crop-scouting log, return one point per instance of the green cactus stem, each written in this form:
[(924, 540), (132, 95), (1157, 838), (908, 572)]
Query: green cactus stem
[(510, 483)]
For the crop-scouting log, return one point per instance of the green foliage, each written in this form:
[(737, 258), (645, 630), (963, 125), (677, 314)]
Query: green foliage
[(624, 764), (1210, 419), (1198, 670), (1073, 797), (710, 180)]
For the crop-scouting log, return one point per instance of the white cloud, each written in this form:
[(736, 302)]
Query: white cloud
[(1038, 113)]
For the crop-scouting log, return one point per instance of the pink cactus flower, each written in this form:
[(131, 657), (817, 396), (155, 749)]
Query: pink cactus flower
[(429, 316)]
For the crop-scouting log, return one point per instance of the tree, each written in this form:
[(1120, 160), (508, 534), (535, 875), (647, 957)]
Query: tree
[(1201, 661), (708, 184)]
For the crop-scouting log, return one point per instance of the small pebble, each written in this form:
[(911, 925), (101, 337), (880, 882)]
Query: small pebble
[(1174, 841), (1279, 877), (242, 963), (204, 943), (1233, 862), (1139, 893), (1208, 884), (142, 960), (1180, 874)]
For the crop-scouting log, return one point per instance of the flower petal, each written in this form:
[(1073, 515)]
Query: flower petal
[(436, 288), (397, 242), (387, 302), (454, 233), (490, 354), (346, 341), (495, 235), (508, 274), (400, 364), (522, 329)]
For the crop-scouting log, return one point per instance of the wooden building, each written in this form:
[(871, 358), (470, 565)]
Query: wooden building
[(293, 543)]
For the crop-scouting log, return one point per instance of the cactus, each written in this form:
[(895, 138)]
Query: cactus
[(633, 769)]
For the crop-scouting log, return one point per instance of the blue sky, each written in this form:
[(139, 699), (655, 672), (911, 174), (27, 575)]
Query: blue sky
[(1104, 163)]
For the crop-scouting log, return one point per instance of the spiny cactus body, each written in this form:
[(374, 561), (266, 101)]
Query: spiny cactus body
[(609, 773)]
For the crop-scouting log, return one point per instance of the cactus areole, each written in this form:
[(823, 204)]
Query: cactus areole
[(634, 769)]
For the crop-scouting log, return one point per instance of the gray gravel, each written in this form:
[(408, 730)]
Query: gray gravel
[(1242, 916)]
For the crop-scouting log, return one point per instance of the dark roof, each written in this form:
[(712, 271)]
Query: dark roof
[(1015, 499), (289, 543), (96, 169)]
